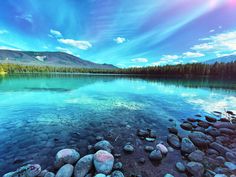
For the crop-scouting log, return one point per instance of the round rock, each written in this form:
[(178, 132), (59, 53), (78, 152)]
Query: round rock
[(186, 126), (49, 174), (155, 155), (180, 167), (148, 148), (173, 140), (195, 168), (128, 148), (162, 148), (65, 156), (187, 146), (117, 173), (200, 139), (83, 166), (103, 145), (103, 161), (196, 156), (65, 171)]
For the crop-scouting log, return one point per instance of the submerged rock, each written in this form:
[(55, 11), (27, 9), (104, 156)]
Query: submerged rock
[(83, 166), (173, 140), (103, 161), (100, 175), (187, 146), (186, 126), (210, 119), (103, 145), (220, 148), (128, 148), (173, 130), (65, 171), (30, 170), (195, 168), (155, 155), (200, 139), (66, 156), (118, 166)]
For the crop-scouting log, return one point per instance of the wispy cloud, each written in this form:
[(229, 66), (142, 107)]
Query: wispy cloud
[(120, 40), (83, 45), (8, 48), (170, 57), (64, 50), (140, 60), (3, 31), (26, 17), (192, 55), (55, 33), (211, 31)]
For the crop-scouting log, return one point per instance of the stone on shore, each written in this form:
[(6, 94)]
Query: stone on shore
[(148, 148), (173, 140), (155, 155), (200, 139), (180, 167), (83, 166), (66, 156), (173, 130), (49, 174), (187, 146), (100, 175), (117, 173), (220, 148), (196, 156), (195, 168), (162, 148), (186, 126), (103, 161), (210, 119), (128, 148), (103, 145), (65, 171)]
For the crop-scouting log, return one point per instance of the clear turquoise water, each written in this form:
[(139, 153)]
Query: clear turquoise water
[(40, 114)]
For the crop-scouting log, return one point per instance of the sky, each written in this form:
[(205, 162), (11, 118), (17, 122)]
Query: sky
[(126, 33)]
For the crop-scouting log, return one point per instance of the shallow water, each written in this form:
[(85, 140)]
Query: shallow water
[(41, 114)]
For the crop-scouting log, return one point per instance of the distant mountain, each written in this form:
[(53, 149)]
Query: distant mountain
[(225, 59), (48, 59)]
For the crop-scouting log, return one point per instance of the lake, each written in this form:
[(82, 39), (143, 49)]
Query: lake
[(41, 114)]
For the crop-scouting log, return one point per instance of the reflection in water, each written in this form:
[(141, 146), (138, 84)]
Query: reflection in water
[(41, 114)]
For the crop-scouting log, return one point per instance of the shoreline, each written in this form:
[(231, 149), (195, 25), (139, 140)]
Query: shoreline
[(206, 140)]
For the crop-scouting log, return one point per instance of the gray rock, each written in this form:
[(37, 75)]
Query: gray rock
[(155, 155), (180, 167), (220, 159), (203, 124), (230, 165), (200, 139), (118, 166), (173, 140), (212, 152), (65, 171), (66, 156), (162, 148), (196, 156), (173, 130), (187, 146), (128, 148), (210, 119), (103, 145), (42, 173), (213, 132), (83, 166), (220, 148), (142, 160), (231, 156), (49, 174), (186, 126), (117, 173), (148, 148), (224, 125), (226, 131), (195, 168), (103, 161)]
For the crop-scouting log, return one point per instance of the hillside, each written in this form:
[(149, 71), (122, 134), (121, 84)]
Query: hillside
[(225, 59), (48, 59)]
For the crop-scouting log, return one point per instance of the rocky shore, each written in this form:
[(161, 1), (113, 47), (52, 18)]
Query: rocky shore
[(207, 145)]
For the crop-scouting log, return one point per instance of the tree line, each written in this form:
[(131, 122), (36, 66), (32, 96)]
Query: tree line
[(195, 69)]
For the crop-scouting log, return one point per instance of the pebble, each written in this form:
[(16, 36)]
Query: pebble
[(180, 167), (148, 148), (230, 165), (65, 171), (155, 155), (173, 140), (195, 168), (142, 160), (103, 161), (117, 173), (49, 174), (83, 166), (100, 175), (66, 156), (162, 148), (173, 130), (187, 146), (168, 175), (118, 166), (196, 156), (128, 148), (200, 139), (142, 133), (103, 145), (186, 126)]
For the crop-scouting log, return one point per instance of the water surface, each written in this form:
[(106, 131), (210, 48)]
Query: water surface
[(41, 114)]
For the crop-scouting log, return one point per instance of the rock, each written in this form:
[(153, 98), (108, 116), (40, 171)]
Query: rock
[(150, 139), (66, 156), (230, 165), (30, 170), (200, 129), (195, 168), (180, 167), (224, 125), (49, 174), (162, 148), (220, 170), (117, 155), (100, 175), (230, 112), (220, 148), (198, 115), (192, 120), (200, 139), (210, 119), (141, 160), (148, 148), (173, 140), (117, 173), (118, 166), (203, 124), (196, 156), (212, 152), (43, 173), (152, 134), (128, 148), (155, 155), (226, 131), (187, 146), (231, 156), (99, 138), (65, 171), (103, 145), (220, 175), (103, 161), (142, 133), (173, 130), (213, 132), (186, 126), (83, 166), (168, 175), (222, 139)]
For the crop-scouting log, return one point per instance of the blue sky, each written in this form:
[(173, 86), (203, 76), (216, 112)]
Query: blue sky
[(122, 32)]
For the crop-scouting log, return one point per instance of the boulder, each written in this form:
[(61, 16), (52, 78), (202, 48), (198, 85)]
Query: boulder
[(155, 155), (187, 146), (66, 156), (196, 156), (65, 171), (173, 140), (103, 161), (103, 145), (83, 166), (195, 168)]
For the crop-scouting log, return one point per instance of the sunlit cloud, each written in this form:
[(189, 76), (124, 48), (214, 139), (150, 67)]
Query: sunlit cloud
[(64, 50), (120, 40), (140, 60), (169, 57), (192, 55), (211, 31), (55, 33), (8, 48), (83, 45), (3, 31), (26, 17)]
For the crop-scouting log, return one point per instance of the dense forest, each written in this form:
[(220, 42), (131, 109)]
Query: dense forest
[(196, 69)]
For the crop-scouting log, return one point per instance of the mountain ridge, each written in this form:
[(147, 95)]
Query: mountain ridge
[(224, 59)]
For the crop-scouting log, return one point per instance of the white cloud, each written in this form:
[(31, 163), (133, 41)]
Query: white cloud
[(192, 55), (64, 50), (202, 47), (8, 48), (140, 60), (193, 61), (225, 54), (158, 63), (3, 31), (169, 57), (211, 31), (55, 33), (41, 58), (119, 40), (26, 17), (178, 62), (83, 45)]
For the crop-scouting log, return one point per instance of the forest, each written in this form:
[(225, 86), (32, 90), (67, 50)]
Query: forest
[(196, 69)]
